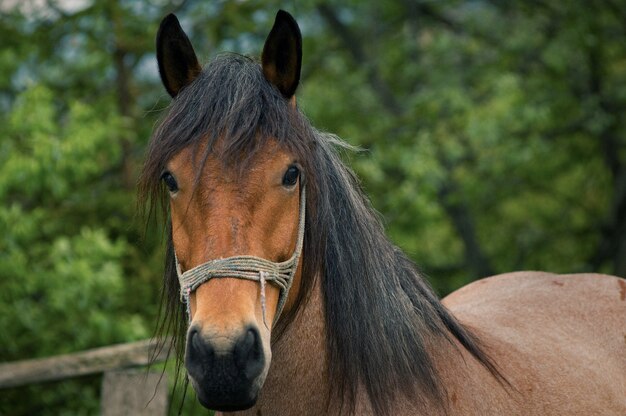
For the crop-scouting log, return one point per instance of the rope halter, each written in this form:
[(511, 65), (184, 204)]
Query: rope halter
[(249, 268)]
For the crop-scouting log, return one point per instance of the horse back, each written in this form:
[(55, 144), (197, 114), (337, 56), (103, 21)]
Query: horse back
[(560, 340)]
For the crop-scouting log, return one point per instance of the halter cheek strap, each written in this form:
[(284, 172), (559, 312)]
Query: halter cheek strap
[(249, 268)]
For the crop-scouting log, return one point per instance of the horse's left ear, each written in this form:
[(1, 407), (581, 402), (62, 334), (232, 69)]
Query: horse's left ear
[(282, 54)]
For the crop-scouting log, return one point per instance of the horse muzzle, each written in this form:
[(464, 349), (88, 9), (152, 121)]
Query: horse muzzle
[(227, 372)]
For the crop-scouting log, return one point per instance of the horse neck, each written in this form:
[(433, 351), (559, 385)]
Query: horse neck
[(297, 382)]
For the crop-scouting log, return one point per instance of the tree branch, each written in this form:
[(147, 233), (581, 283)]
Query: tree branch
[(463, 222), (417, 9), (613, 232), (355, 49)]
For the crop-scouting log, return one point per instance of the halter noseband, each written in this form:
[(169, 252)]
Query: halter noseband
[(249, 268)]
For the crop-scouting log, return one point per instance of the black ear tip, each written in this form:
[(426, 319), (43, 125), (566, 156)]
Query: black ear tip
[(169, 21), (283, 16)]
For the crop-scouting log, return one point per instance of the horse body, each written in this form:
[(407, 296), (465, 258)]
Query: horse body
[(559, 339), (362, 332)]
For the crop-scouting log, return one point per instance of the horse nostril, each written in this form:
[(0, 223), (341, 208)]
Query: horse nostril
[(248, 353), (196, 341), (198, 349)]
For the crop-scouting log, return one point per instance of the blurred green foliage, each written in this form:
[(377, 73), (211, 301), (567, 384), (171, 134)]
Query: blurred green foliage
[(493, 137)]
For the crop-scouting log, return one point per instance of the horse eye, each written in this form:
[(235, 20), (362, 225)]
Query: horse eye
[(291, 176), (169, 181)]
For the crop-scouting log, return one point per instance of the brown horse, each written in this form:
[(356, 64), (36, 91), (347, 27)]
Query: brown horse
[(265, 218)]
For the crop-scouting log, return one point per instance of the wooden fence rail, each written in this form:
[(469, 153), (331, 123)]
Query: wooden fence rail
[(124, 391)]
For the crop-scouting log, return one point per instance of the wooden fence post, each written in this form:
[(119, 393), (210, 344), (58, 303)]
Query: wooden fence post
[(132, 392)]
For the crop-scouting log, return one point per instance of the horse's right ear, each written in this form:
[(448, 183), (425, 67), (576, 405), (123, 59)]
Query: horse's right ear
[(178, 64)]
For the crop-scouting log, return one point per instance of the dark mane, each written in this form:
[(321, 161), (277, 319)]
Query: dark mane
[(380, 312)]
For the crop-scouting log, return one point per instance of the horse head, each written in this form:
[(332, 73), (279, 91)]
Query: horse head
[(236, 204)]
